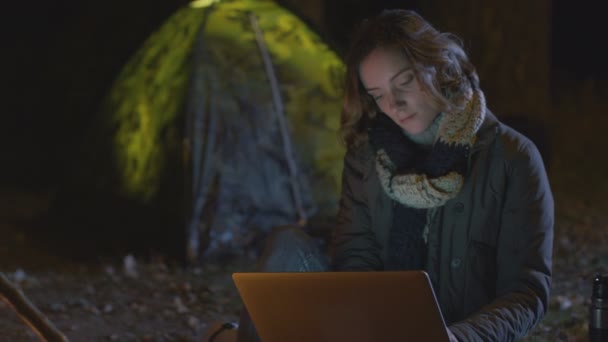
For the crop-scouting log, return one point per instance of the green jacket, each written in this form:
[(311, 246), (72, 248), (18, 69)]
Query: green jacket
[(490, 247)]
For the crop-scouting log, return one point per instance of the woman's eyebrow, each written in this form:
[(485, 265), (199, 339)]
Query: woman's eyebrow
[(401, 71)]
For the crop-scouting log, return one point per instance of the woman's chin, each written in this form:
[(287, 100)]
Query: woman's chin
[(413, 130)]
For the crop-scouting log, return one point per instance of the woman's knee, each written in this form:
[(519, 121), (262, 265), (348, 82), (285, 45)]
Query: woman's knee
[(287, 249), (288, 236)]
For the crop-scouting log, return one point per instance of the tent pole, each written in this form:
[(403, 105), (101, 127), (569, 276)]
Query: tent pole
[(278, 105), (200, 157)]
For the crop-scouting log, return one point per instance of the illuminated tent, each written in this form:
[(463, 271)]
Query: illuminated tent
[(225, 122)]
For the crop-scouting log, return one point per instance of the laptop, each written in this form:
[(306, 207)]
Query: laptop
[(342, 306)]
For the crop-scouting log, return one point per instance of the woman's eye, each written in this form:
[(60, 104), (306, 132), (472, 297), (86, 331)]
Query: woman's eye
[(376, 97), (407, 79)]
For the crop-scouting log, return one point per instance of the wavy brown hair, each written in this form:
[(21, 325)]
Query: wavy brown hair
[(438, 59)]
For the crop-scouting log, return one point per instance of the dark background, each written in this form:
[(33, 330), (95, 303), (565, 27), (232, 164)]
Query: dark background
[(60, 57)]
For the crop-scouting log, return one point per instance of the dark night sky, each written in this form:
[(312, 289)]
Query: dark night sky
[(59, 57)]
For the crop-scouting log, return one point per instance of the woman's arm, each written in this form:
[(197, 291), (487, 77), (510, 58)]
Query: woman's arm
[(524, 253), (354, 244)]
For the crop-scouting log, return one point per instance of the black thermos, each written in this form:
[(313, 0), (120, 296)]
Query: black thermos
[(598, 313)]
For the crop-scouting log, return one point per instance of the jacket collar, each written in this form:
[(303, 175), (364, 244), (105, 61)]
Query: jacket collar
[(487, 132)]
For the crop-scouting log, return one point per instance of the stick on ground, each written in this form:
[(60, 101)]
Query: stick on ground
[(35, 319)]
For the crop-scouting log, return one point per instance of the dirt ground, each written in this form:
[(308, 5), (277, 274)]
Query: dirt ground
[(116, 300)]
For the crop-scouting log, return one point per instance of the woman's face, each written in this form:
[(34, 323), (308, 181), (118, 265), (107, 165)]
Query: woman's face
[(389, 78)]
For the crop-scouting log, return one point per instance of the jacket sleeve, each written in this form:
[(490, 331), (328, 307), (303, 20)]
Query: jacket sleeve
[(354, 244), (523, 255)]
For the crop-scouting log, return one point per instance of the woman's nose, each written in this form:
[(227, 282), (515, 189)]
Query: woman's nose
[(396, 101)]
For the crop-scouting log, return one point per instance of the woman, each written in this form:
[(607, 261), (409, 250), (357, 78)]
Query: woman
[(433, 181)]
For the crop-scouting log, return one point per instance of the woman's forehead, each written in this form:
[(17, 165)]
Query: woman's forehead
[(383, 64)]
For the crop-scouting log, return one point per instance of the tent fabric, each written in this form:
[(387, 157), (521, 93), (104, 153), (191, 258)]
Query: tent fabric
[(199, 87)]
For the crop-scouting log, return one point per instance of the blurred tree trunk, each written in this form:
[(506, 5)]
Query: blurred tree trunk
[(508, 42)]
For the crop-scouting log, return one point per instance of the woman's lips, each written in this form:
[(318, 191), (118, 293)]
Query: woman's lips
[(407, 118)]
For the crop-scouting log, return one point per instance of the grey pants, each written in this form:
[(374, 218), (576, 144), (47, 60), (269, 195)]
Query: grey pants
[(287, 249)]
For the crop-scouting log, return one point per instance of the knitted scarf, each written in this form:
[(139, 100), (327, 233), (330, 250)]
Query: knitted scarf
[(417, 179)]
